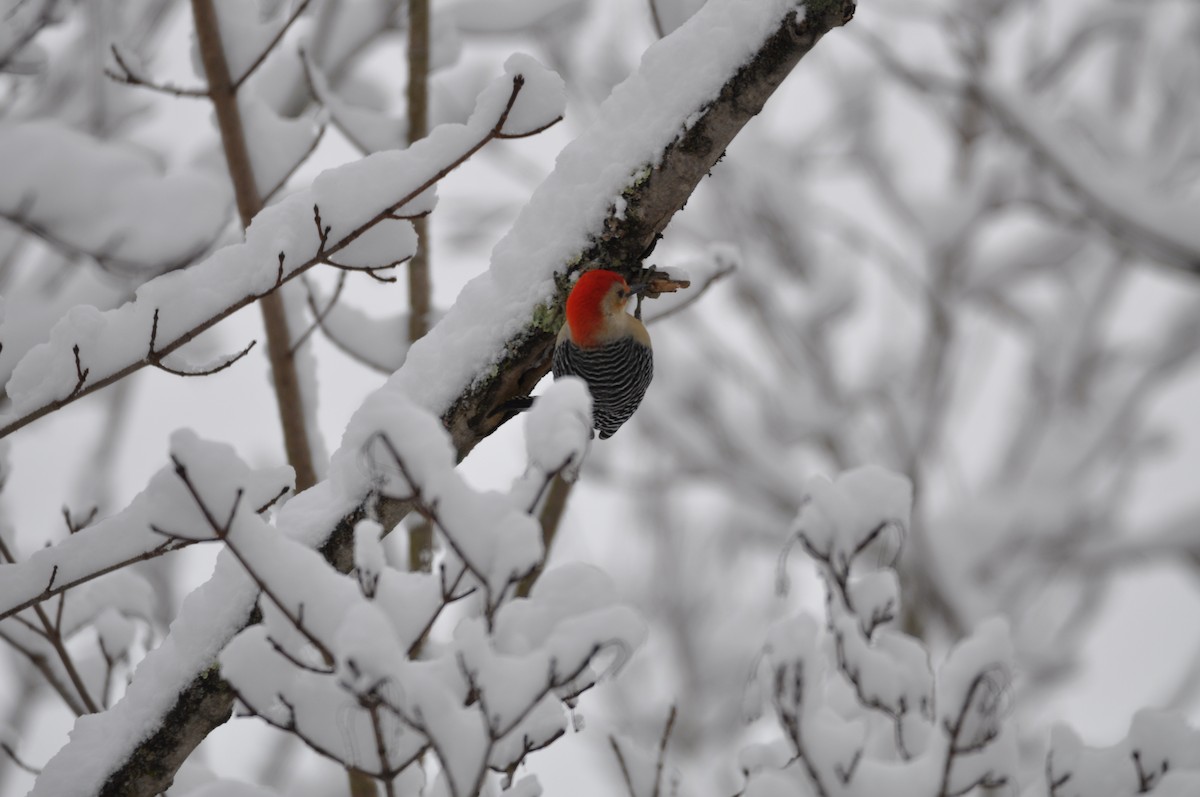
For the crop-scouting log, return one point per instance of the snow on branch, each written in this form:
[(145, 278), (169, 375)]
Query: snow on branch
[(718, 69), (360, 210), (905, 730), (350, 647), (128, 536), (490, 541), (91, 198), (613, 190), (862, 713)]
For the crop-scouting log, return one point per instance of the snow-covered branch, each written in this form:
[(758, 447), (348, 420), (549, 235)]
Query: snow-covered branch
[(904, 731), (361, 211), (613, 190)]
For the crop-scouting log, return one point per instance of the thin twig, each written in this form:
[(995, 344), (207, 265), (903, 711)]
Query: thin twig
[(51, 633), (131, 78), (662, 751), (295, 167), (625, 776), (319, 314), (271, 45), (656, 19), (16, 759), (81, 373), (694, 296), (156, 359)]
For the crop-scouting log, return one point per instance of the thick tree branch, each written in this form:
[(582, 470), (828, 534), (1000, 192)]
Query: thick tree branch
[(650, 204)]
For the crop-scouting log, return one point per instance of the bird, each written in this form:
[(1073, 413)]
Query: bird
[(605, 346)]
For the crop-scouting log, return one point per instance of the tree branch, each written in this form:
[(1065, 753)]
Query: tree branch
[(650, 204)]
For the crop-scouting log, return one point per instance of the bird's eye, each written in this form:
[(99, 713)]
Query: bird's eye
[(622, 293)]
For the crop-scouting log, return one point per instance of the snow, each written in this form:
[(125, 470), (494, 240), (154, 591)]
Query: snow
[(559, 426), (229, 788), (771, 783), (380, 342), (346, 197), (367, 128), (988, 650), (639, 119), (390, 241), (276, 143), (565, 613), (108, 199), (541, 101), (527, 786), (1163, 742), (841, 514), (127, 535), (354, 193), (499, 16), (208, 619), (211, 615), (243, 37), (369, 559), (367, 650), (427, 452)]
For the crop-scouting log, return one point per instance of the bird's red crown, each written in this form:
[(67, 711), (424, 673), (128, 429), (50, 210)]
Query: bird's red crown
[(585, 305)]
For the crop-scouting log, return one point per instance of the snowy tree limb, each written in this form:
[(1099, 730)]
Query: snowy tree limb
[(650, 203), (618, 238)]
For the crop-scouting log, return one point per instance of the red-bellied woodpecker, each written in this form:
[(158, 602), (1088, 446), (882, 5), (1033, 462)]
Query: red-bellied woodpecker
[(606, 347)]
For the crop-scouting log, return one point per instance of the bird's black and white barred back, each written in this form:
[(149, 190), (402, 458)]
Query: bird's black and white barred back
[(617, 374)]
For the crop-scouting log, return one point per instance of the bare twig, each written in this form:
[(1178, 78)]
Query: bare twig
[(76, 525), (662, 751), (659, 30), (370, 271), (156, 359), (319, 314), (625, 774), (312, 147), (81, 373), (381, 749), (271, 45), (291, 726), (131, 78), (40, 663), (104, 258), (51, 631), (724, 271), (16, 759), (45, 17)]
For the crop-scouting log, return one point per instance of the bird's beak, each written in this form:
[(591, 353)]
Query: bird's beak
[(638, 287)]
